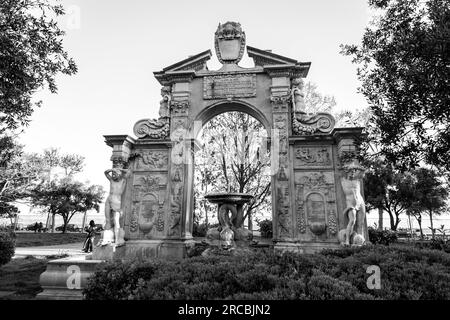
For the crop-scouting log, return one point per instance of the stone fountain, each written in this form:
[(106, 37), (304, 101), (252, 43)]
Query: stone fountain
[(231, 232)]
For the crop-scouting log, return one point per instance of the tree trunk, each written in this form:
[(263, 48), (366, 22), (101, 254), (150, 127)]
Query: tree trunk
[(47, 224), (391, 219), (206, 216), (431, 222), (380, 218), (16, 220), (53, 223), (419, 220), (410, 227), (83, 224)]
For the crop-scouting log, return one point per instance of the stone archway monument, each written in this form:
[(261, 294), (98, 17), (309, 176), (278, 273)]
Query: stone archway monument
[(316, 182)]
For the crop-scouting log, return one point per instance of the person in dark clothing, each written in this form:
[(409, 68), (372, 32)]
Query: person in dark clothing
[(91, 232)]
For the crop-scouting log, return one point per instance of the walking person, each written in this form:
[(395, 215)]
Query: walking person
[(89, 242)]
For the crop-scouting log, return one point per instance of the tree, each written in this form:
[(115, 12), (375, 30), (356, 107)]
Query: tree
[(19, 173), (22, 172), (388, 189), (31, 55), (316, 101), (430, 194), (404, 65), (377, 179), (66, 198), (233, 160)]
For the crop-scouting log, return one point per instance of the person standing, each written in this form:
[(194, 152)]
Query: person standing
[(89, 241)]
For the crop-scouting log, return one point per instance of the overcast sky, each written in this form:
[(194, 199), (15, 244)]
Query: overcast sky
[(119, 44)]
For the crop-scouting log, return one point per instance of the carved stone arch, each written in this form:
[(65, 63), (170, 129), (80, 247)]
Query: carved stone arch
[(223, 106)]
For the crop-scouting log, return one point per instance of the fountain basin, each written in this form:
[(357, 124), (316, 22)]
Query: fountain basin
[(230, 198)]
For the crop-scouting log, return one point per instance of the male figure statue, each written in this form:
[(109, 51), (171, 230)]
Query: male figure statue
[(355, 206), (298, 97), (113, 206)]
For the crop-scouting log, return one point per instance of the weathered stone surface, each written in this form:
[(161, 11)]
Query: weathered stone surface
[(64, 279)]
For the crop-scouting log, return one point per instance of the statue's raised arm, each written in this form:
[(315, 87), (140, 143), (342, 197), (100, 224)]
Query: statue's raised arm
[(108, 174)]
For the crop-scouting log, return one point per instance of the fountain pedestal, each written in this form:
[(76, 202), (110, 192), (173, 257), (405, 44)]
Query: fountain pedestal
[(230, 232)]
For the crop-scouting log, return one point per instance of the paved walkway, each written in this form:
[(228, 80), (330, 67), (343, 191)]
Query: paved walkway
[(71, 249)]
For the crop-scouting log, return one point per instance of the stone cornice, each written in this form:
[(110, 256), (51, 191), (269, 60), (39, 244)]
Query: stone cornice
[(264, 57), (169, 78), (299, 70), (183, 71), (277, 65), (112, 140)]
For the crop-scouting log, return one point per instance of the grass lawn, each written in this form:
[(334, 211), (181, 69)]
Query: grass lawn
[(31, 239), (21, 278)]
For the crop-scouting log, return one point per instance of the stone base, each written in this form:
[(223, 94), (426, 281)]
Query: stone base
[(305, 247), (148, 249), (64, 279), (108, 252), (144, 250)]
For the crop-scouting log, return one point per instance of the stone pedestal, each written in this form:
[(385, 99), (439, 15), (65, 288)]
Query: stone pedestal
[(64, 279)]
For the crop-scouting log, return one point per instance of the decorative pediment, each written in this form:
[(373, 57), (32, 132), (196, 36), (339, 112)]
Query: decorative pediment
[(272, 62), (185, 69)]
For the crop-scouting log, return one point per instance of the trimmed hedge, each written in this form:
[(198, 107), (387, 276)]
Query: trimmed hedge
[(385, 237), (436, 244), (406, 273), (7, 247)]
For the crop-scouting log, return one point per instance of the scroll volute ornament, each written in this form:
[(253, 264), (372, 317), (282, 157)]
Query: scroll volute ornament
[(229, 42)]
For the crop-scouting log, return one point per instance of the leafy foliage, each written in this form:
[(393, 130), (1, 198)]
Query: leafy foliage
[(7, 246), (200, 229), (430, 194), (234, 158), (385, 237), (436, 244), (66, 198), (31, 55), (389, 189), (22, 172), (406, 273), (316, 101), (404, 65), (266, 228)]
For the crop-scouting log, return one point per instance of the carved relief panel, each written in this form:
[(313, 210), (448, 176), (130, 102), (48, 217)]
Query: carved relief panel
[(312, 157), (176, 200), (282, 204), (316, 203), (152, 160), (147, 220)]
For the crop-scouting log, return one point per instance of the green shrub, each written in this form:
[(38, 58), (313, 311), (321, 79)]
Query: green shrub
[(435, 244), (384, 237), (266, 229), (406, 273), (199, 230), (7, 246)]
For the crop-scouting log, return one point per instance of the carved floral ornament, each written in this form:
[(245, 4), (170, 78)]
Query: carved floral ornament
[(306, 124), (180, 107), (280, 99)]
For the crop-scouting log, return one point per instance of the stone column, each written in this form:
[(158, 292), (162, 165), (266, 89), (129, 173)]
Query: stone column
[(181, 170), (281, 166)]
